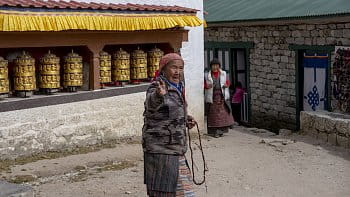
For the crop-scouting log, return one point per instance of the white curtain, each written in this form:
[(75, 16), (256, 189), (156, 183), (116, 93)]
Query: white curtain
[(315, 82)]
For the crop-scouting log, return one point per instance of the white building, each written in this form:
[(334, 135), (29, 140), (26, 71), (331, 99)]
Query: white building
[(67, 120)]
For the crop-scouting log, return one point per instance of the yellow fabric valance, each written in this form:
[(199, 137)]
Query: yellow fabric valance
[(58, 21)]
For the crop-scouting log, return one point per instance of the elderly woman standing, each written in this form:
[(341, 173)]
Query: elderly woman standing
[(164, 132), (219, 118)]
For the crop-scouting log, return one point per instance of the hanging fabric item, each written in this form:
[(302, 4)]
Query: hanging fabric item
[(340, 80), (31, 20), (315, 77)]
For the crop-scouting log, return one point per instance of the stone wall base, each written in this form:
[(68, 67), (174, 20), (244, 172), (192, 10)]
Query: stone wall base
[(331, 127), (272, 123)]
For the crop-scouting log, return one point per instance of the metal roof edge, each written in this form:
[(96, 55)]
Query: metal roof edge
[(280, 18)]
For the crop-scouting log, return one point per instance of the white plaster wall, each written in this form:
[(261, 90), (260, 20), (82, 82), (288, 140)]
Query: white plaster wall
[(192, 51)]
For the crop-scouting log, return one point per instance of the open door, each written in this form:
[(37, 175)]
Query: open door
[(234, 62)]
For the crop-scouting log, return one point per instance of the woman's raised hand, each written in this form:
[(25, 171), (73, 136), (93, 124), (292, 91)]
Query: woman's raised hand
[(161, 89)]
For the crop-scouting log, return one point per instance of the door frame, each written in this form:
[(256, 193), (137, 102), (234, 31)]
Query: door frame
[(246, 46), (298, 78)]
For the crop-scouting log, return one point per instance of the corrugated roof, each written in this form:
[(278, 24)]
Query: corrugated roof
[(243, 10), (50, 4)]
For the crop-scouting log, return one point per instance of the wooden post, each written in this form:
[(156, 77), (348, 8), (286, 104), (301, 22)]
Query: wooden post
[(95, 66)]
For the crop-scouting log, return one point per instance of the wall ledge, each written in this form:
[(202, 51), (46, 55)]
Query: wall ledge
[(62, 98)]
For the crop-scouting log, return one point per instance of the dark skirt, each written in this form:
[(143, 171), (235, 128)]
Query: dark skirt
[(219, 115), (167, 176)]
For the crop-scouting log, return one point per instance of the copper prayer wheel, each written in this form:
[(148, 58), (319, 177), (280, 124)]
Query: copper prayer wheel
[(73, 70), (4, 80), (49, 72), (138, 65), (121, 66), (154, 57), (24, 73), (105, 67)]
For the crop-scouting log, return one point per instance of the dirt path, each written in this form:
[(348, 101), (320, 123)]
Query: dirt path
[(242, 163)]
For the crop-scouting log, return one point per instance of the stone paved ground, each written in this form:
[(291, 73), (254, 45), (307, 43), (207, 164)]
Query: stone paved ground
[(242, 163), (15, 190)]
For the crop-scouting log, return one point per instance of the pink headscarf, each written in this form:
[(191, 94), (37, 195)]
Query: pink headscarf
[(165, 60)]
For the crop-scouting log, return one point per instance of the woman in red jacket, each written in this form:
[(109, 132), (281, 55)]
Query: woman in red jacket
[(219, 118)]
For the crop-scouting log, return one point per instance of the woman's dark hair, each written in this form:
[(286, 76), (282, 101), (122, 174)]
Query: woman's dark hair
[(215, 61)]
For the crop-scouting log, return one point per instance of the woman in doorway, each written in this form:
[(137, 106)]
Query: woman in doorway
[(219, 118), (164, 132), (236, 102)]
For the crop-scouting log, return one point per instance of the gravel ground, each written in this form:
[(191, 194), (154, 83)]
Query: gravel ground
[(245, 162)]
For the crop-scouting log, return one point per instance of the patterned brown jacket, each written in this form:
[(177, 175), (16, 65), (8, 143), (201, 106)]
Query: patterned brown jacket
[(164, 129)]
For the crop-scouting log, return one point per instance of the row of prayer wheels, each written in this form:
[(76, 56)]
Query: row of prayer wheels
[(123, 67), (24, 75)]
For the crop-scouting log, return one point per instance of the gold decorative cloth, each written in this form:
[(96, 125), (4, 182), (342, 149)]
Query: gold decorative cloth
[(96, 21)]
